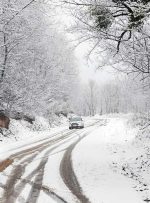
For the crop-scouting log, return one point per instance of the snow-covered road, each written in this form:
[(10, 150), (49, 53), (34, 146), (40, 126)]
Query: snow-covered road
[(24, 179), (77, 166)]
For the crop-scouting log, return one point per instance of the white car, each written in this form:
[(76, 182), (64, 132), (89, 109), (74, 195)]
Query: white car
[(76, 122)]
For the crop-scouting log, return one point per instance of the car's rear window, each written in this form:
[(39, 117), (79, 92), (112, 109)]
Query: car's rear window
[(76, 119)]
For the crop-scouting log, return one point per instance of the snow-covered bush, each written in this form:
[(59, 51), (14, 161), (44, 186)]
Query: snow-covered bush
[(142, 121), (40, 124)]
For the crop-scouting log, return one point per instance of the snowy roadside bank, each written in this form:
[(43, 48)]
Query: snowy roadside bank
[(20, 129), (100, 168), (138, 168)]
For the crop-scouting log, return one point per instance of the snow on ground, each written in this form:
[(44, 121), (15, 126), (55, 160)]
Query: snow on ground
[(138, 168), (52, 178), (104, 152), (114, 166), (33, 166), (3, 179), (20, 129), (30, 141), (54, 160), (24, 135), (45, 198)]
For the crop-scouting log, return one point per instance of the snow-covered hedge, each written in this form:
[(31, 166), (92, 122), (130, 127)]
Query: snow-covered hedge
[(142, 121)]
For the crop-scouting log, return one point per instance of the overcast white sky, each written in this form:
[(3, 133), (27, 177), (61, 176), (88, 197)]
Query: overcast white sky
[(87, 70)]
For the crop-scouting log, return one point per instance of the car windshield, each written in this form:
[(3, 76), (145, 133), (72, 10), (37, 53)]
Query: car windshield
[(76, 119)]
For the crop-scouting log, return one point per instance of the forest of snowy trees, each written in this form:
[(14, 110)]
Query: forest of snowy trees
[(36, 61), (75, 101), (38, 68), (116, 96), (119, 35)]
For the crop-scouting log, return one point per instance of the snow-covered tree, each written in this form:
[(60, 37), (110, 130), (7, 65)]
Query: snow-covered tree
[(39, 64), (118, 27)]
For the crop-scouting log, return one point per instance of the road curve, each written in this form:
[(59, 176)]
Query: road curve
[(68, 174), (12, 191), (66, 167), (15, 182)]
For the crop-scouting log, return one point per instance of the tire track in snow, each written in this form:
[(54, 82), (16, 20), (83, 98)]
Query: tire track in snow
[(66, 167), (68, 174), (12, 192), (39, 173), (34, 194), (69, 177), (16, 174)]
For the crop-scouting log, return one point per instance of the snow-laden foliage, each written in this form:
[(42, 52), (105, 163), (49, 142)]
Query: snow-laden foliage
[(37, 65), (118, 28)]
